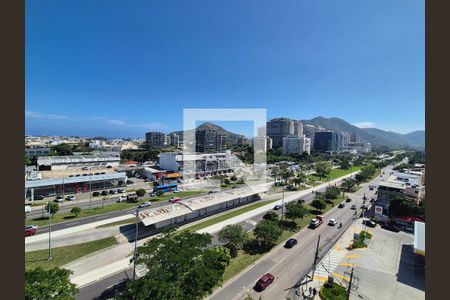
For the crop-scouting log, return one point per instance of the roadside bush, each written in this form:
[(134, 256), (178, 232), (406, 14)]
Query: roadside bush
[(270, 215), (159, 193)]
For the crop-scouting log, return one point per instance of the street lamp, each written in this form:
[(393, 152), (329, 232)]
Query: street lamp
[(135, 243), (49, 232)]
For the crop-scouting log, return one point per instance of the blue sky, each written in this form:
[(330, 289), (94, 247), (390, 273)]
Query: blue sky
[(121, 68)]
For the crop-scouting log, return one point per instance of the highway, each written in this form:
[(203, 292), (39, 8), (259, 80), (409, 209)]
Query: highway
[(289, 266)]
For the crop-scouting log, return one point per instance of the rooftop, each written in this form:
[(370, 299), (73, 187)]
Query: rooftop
[(79, 179)]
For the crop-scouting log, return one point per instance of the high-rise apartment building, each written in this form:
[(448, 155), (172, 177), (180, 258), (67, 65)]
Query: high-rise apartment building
[(279, 128), (296, 145), (298, 128), (209, 141), (355, 138), (155, 139)]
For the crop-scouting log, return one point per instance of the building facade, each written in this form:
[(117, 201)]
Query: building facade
[(296, 145), (279, 128), (327, 141), (210, 141), (155, 139)]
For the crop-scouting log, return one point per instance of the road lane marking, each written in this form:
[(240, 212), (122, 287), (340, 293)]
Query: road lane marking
[(352, 256), (347, 265), (321, 278), (341, 276)]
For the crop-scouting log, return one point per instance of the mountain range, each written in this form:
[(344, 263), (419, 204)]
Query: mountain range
[(376, 137)]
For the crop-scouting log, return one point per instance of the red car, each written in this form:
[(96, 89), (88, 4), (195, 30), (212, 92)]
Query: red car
[(30, 231), (175, 200), (264, 281)]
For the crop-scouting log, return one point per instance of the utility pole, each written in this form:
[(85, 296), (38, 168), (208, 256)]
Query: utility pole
[(90, 187), (350, 285), (316, 257), (135, 243), (282, 205), (49, 232)]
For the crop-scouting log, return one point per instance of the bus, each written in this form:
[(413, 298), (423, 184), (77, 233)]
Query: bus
[(165, 188)]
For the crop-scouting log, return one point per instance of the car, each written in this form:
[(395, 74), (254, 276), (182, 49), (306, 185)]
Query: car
[(71, 198), (390, 227), (277, 207), (30, 231), (176, 191), (348, 200), (130, 182), (290, 243), (112, 192), (120, 191), (84, 168), (39, 197), (264, 282), (96, 194), (145, 204), (371, 188), (108, 167), (59, 199), (211, 192), (122, 199), (341, 205), (175, 200), (332, 222), (353, 207), (32, 227), (104, 193), (369, 223)]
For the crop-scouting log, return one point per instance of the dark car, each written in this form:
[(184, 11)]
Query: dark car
[(130, 181), (112, 192), (290, 243), (120, 190), (264, 282), (353, 207), (30, 231), (390, 227), (369, 223), (277, 207), (300, 201), (348, 200), (104, 193), (341, 205), (96, 194), (39, 197)]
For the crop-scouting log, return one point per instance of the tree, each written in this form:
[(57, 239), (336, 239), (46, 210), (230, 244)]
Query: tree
[(270, 215), (226, 181), (233, 236), (345, 164), (51, 284), (233, 178), (267, 231), (180, 266), (75, 210), (332, 192), (323, 169), (140, 192), (53, 207), (318, 204), (295, 211), (62, 149), (348, 184), (159, 193)]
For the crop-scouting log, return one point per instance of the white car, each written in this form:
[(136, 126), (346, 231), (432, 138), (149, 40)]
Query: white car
[(71, 198), (332, 222), (31, 227), (145, 204), (176, 191), (122, 198)]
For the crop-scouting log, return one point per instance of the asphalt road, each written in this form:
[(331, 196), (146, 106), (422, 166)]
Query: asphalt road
[(289, 266)]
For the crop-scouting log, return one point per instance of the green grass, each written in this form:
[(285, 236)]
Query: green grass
[(228, 215), (337, 292), (123, 222), (335, 173), (67, 216), (64, 255)]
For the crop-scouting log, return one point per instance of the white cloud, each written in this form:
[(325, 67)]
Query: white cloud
[(38, 115), (115, 122), (365, 124), (153, 125)]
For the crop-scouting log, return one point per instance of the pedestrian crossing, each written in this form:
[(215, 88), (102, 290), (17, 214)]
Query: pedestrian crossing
[(329, 263), (251, 222)]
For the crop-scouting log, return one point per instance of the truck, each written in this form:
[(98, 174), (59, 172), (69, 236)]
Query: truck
[(132, 197), (316, 221)]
